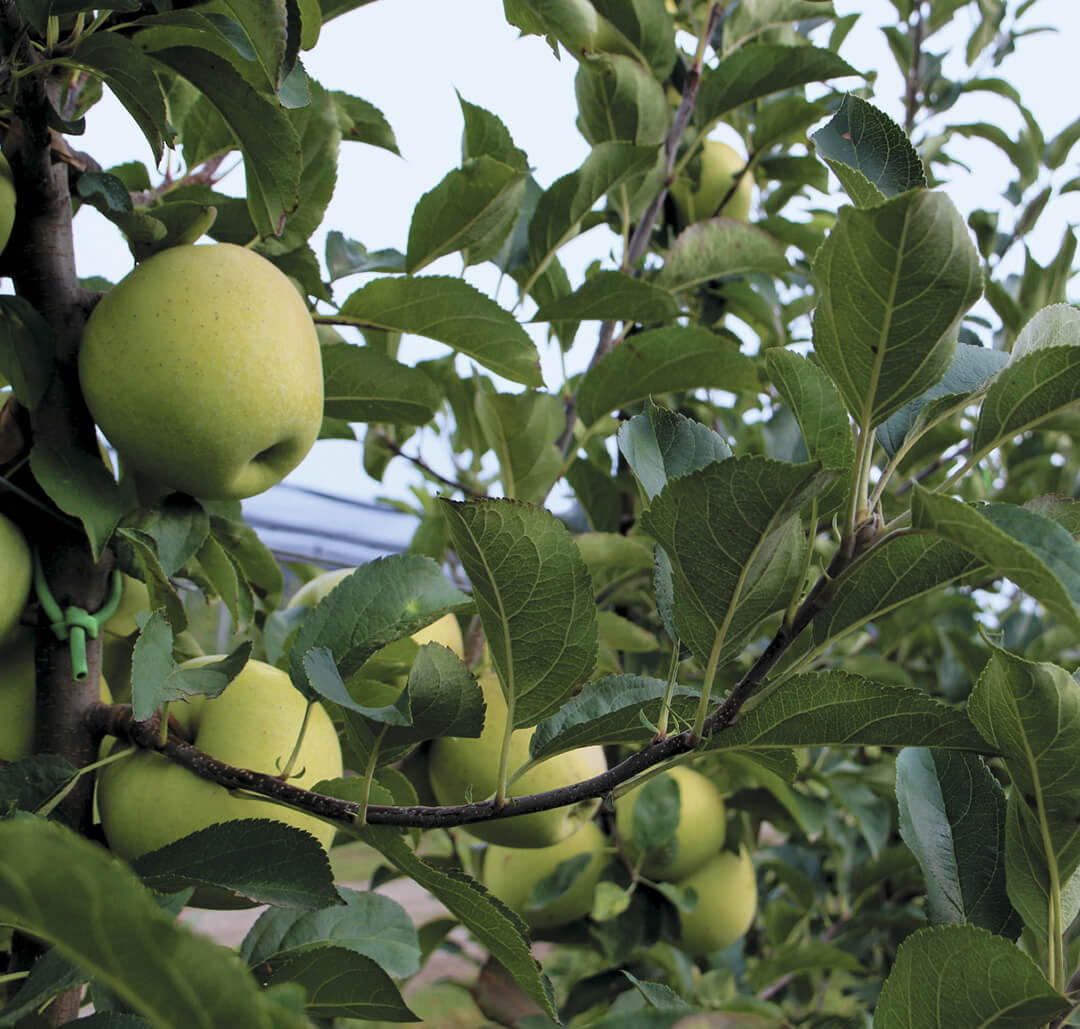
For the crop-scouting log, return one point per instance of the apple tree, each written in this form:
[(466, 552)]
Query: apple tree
[(732, 667)]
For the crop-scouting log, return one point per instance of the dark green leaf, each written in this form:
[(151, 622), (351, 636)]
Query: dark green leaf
[(362, 384)]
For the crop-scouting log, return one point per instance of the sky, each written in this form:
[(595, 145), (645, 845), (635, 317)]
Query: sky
[(411, 58)]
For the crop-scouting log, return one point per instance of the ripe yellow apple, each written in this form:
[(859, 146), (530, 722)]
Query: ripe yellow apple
[(719, 165), (147, 801), (700, 832), (457, 763), (17, 694), (511, 874), (16, 573), (445, 630), (7, 201), (202, 368), (727, 902)]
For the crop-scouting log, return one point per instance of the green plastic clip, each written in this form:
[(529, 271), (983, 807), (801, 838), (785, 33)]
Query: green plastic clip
[(75, 623)]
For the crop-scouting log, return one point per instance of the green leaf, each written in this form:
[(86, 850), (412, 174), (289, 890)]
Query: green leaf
[(366, 923), (663, 361), (494, 926), (971, 368), (107, 922), (534, 598), (26, 784), (895, 281), (451, 312), (899, 571), (839, 709), (81, 486), (472, 205), (265, 25), (568, 200), (619, 101), (641, 28), (339, 983), (486, 134), (522, 429), (178, 526), (963, 977), (271, 146), (719, 248), (130, 74), (952, 816), (1040, 556), (1042, 377), (362, 384), (25, 350), (612, 296), (869, 152), (259, 859), (347, 257), (1030, 714), (614, 710), (721, 527), (660, 445), (800, 958), (757, 71), (382, 601), (157, 679), (362, 122)]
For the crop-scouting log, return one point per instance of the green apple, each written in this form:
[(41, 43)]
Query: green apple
[(147, 801), (444, 630), (202, 368), (7, 201), (16, 572), (727, 902), (18, 693), (512, 873), (719, 164), (461, 766), (134, 598), (698, 836)]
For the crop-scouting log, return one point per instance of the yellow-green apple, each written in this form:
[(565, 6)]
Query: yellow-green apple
[(134, 598), (7, 201), (202, 368), (461, 766), (18, 694), (698, 835), (147, 801), (727, 902), (511, 874), (16, 573), (444, 630), (719, 164)]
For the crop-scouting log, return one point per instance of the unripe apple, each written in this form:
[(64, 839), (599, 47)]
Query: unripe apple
[(7, 201), (18, 693), (16, 574), (698, 836), (134, 598), (202, 367), (459, 766), (727, 902), (719, 164), (147, 801), (511, 874)]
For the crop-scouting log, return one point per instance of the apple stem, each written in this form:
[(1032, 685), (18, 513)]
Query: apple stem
[(291, 763), (369, 775)]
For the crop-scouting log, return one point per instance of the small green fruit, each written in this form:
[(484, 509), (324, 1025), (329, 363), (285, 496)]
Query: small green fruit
[(719, 164), (512, 873), (459, 766), (16, 573), (727, 902), (698, 836), (202, 367)]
